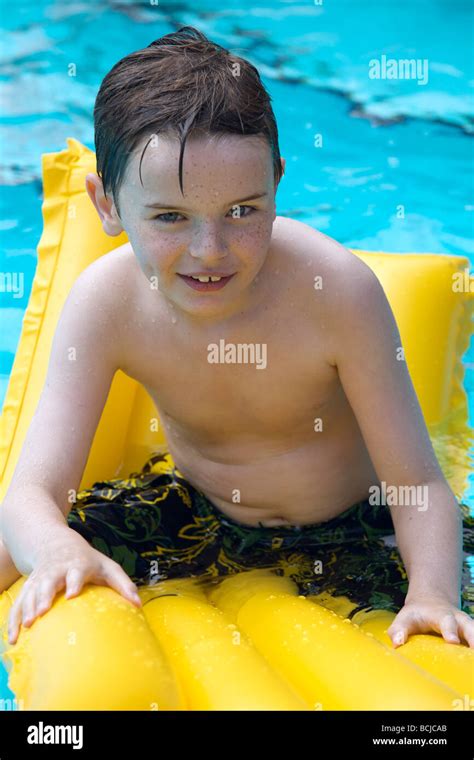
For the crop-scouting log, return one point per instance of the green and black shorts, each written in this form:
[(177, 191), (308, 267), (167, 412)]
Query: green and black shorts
[(156, 526)]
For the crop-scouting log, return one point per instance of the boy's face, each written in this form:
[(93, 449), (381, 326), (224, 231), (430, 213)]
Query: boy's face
[(221, 226)]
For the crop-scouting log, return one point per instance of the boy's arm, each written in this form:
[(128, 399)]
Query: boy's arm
[(374, 375), (55, 451), (83, 361)]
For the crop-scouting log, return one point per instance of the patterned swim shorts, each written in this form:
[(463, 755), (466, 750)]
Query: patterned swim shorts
[(156, 525)]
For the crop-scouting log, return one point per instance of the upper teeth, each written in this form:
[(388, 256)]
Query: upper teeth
[(206, 279)]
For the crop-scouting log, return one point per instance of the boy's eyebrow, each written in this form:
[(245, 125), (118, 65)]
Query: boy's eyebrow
[(252, 197)]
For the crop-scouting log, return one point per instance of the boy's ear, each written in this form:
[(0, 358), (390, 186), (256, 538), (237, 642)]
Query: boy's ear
[(283, 164), (105, 207)]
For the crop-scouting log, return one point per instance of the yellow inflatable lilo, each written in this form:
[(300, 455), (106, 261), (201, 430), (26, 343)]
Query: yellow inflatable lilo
[(249, 641)]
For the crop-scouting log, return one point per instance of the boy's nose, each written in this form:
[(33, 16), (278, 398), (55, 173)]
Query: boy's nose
[(207, 245)]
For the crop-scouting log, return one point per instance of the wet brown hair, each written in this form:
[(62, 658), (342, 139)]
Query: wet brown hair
[(182, 83)]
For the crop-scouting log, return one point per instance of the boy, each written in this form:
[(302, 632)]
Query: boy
[(269, 349)]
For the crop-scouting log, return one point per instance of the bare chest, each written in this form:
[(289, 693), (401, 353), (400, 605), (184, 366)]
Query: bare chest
[(267, 380)]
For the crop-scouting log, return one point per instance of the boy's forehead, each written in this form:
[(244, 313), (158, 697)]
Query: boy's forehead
[(213, 160)]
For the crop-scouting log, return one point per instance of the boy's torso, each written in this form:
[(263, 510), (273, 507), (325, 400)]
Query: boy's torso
[(276, 445)]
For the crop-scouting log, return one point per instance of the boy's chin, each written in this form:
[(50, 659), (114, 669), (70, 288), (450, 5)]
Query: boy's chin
[(203, 309), (200, 305)]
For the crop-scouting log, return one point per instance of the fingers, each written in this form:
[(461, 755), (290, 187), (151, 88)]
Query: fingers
[(14, 619), (22, 611), (452, 624), (448, 629), (109, 572), (34, 600), (75, 579), (117, 579), (408, 622), (401, 628), (466, 628), (47, 590), (29, 607), (40, 588)]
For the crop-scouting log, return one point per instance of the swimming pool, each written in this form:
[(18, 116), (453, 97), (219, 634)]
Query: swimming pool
[(357, 148)]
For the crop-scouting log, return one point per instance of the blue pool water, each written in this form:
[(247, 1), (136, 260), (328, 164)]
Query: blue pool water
[(385, 142)]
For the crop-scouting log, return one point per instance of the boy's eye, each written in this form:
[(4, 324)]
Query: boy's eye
[(161, 218), (236, 212)]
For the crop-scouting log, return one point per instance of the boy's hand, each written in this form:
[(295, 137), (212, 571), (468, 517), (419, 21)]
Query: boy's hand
[(67, 561), (428, 614)]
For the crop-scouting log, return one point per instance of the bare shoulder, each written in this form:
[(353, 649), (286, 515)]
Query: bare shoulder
[(112, 269), (112, 278), (341, 274), (328, 253), (106, 286), (332, 286)]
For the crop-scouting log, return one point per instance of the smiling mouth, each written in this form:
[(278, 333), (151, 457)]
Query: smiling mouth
[(207, 277), (206, 282)]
